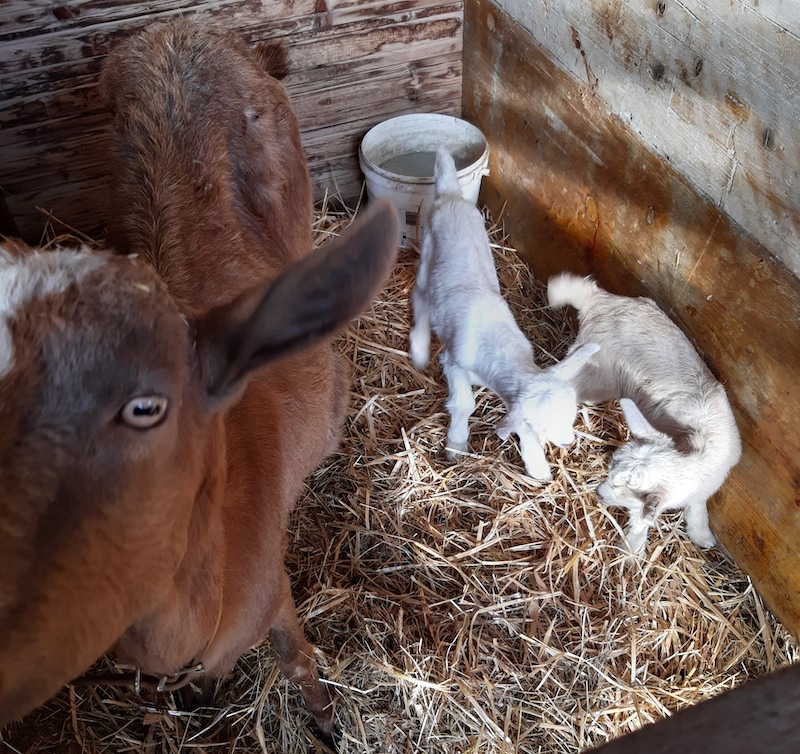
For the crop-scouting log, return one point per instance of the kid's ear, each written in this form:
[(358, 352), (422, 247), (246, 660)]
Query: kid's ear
[(569, 367), (308, 302), (653, 503), (639, 427)]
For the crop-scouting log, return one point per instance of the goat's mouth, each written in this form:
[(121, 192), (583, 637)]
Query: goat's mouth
[(606, 496)]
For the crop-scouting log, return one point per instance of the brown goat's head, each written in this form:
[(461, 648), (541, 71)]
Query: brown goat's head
[(107, 396)]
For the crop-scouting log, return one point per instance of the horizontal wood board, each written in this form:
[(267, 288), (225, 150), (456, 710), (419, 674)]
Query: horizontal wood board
[(354, 64), (580, 191)]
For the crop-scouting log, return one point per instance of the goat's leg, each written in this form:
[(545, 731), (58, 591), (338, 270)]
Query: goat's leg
[(697, 524), (460, 405), (636, 530), (533, 456), (295, 658), (420, 336)]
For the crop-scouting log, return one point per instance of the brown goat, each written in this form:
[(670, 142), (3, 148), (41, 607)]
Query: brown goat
[(146, 471)]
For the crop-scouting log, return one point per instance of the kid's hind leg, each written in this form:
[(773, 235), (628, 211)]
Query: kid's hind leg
[(295, 658), (420, 336), (460, 405)]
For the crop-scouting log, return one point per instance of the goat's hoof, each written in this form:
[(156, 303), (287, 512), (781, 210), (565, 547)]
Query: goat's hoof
[(704, 541), (539, 475), (329, 733), (455, 452)]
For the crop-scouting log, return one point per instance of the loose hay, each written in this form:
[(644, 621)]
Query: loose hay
[(460, 607)]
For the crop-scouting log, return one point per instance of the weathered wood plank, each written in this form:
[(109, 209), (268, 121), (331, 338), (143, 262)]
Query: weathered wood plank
[(422, 82), (582, 192), (354, 63), (61, 48), (71, 92), (39, 17), (709, 84)]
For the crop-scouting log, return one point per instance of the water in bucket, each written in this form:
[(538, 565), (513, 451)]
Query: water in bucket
[(419, 164), (397, 158)]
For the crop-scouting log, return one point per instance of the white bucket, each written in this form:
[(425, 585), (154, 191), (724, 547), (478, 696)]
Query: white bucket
[(412, 195)]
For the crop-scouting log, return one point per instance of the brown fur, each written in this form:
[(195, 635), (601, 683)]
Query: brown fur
[(167, 544), (274, 59)]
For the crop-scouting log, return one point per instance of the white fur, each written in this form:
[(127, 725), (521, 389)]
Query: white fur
[(685, 439), (457, 296), (35, 275)]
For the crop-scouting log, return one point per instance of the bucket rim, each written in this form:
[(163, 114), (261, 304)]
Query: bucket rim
[(478, 165)]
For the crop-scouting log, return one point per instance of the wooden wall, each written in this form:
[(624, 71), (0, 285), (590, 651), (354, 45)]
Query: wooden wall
[(712, 86), (581, 191), (354, 63)]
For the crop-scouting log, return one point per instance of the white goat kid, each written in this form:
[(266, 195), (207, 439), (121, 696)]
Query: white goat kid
[(457, 295), (684, 436)]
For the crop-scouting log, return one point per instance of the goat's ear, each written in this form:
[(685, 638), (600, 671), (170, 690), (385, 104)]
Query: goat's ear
[(569, 367), (309, 301), (653, 503), (639, 427)]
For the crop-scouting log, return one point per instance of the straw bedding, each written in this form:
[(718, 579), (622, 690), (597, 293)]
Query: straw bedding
[(459, 607)]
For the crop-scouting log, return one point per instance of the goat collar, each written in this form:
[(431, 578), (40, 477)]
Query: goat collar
[(139, 680)]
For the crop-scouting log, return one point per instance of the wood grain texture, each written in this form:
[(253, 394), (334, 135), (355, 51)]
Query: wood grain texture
[(354, 63), (710, 85), (581, 192)]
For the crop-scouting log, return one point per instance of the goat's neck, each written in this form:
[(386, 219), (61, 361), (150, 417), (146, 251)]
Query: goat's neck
[(509, 372), (715, 439)]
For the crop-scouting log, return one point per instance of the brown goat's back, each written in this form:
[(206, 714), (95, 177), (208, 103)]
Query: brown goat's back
[(211, 183)]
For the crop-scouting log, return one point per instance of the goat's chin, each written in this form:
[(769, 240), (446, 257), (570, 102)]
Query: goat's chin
[(604, 494), (611, 499)]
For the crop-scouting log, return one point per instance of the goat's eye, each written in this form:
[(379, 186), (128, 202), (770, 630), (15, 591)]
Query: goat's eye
[(145, 412)]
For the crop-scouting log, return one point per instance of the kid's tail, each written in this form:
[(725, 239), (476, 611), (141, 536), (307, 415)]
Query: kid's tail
[(570, 289), (444, 172)]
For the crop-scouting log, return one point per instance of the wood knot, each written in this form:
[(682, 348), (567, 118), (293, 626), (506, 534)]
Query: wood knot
[(657, 71), (64, 14)]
